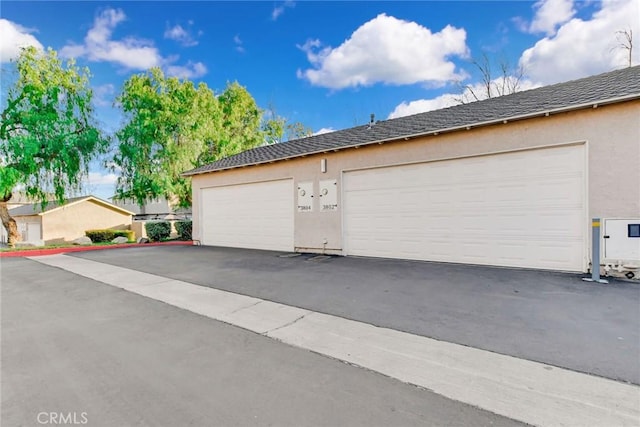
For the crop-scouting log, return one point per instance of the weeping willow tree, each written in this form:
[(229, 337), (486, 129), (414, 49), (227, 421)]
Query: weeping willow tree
[(48, 133)]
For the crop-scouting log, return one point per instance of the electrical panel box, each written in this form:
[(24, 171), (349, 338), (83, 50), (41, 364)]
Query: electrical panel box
[(621, 239), (305, 197), (328, 197)]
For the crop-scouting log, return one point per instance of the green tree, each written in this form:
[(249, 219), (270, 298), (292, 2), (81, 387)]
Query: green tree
[(169, 124), (48, 134), (172, 126), (241, 119), (278, 129)]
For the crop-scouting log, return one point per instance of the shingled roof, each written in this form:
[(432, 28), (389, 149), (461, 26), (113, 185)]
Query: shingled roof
[(37, 209), (614, 86)]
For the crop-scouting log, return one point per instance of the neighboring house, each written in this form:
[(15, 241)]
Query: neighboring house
[(157, 209), (18, 199), (509, 181), (63, 223)]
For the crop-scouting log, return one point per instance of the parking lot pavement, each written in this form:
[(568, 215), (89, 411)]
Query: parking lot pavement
[(79, 349), (531, 392), (553, 318)]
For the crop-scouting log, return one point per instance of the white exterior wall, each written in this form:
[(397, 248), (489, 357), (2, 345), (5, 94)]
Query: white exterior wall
[(610, 133)]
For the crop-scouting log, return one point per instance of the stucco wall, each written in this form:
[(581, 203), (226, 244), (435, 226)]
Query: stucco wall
[(70, 222), (611, 134)]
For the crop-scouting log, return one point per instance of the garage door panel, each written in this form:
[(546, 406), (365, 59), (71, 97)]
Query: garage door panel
[(523, 209), (256, 216)]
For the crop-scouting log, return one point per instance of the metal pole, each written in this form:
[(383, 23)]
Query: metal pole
[(595, 253)]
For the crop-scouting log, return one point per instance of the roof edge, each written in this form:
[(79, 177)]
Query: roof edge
[(88, 198), (541, 113)]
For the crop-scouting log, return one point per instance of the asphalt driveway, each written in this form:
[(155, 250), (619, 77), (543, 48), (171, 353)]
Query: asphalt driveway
[(76, 348), (553, 318)]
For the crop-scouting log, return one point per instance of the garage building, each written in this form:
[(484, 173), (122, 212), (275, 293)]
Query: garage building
[(510, 181)]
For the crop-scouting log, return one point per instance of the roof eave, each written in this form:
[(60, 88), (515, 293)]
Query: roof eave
[(542, 113), (88, 198)]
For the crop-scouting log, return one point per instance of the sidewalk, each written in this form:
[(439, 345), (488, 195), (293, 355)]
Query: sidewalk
[(527, 391)]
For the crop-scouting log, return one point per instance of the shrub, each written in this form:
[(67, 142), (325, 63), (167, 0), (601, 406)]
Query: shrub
[(157, 231), (108, 235), (184, 229), (98, 236)]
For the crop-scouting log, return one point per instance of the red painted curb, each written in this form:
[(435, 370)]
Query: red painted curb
[(56, 251)]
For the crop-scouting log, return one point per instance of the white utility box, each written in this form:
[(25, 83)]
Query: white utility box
[(621, 245)]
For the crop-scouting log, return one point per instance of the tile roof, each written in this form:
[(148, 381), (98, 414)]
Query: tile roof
[(606, 87)]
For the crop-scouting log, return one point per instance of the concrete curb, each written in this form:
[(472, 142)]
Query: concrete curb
[(57, 251)]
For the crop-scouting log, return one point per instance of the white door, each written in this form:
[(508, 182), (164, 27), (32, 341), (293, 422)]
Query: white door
[(257, 216), (30, 232), (520, 209), (33, 233)]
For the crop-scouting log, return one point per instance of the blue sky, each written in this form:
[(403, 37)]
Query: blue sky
[(325, 64)]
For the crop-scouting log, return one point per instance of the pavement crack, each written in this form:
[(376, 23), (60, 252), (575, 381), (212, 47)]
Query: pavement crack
[(266, 333), (244, 308)]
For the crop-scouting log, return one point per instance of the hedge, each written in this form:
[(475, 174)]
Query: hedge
[(184, 229), (158, 230), (108, 235)]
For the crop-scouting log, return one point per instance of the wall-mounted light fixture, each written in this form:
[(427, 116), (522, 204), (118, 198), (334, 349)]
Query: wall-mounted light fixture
[(323, 165)]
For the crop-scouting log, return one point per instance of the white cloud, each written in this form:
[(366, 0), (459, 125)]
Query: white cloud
[(549, 14), (386, 50), (324, 130), (279, 10), (423, 105), (14, 37), (181, 35), (100, 184), (584, 47), (103, 95), (520, 23), (130, 52), (238, 42), (99, 178), (191, 70), (473, 92), (499, 86)]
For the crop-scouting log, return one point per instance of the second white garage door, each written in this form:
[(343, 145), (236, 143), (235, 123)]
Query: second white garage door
[(256, 216), (520, 209)]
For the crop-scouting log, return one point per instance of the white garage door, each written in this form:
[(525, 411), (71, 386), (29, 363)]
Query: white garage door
[(520, 209), (258, 216)]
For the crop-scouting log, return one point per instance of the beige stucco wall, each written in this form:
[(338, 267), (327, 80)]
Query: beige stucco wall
[(138, 228), (611, 134), (70, 222)]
